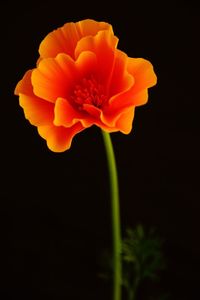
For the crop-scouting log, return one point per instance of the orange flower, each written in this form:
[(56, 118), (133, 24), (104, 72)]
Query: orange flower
[(82, 79)]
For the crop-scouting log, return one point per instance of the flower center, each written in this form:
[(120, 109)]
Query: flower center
[(89, 91)]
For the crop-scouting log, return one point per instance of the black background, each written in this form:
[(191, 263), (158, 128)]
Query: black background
[(54, 208)]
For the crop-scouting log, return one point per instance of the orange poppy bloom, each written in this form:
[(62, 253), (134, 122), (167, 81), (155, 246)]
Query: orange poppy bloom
[(82, 79)]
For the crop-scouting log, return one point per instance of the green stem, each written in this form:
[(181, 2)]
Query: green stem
[(116, 230)]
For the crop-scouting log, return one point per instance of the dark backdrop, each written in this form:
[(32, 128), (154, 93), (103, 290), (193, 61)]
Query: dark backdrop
[(54, 208)]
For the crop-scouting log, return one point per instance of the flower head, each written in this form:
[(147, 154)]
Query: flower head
[(82, 79)]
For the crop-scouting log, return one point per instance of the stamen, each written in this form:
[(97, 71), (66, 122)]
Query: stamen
[(89, 91)]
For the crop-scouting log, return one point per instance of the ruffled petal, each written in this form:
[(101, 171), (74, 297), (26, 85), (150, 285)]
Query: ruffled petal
[(37, 111), (103, 44), (24, 86), (143, 73), (125, 121), (54, 77), (95, 118), (121, 80), (113, 122), (92, 110), (66, 115), (121, 121), (59, 138), (121, 100), (86, 64), (109, 119), (143, 77), (91, 27), (61, 40), (64, 39)]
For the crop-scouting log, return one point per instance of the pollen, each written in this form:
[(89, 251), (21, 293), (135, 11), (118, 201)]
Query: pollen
[(89, 91)]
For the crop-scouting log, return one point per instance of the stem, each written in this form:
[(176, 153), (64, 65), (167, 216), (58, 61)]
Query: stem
[(116, 230)]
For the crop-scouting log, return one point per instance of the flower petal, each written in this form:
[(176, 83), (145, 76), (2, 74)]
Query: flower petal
[(143, 77), (95, 118), (103, 44), (37, 111), (59, 138), (86, 64), (121, 80), (143, 73), (110, 118), (53, 77), (24, 86), (64, 39), (91, 27), (66, 115), (92, 110), (125, 121), (111, 123), (61, 40)]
